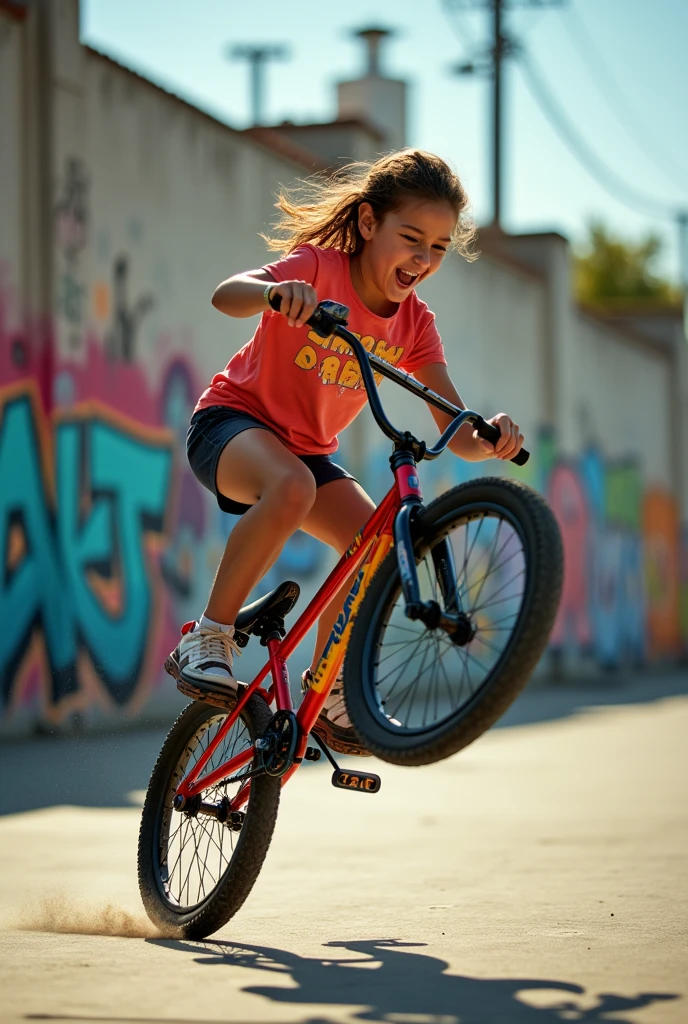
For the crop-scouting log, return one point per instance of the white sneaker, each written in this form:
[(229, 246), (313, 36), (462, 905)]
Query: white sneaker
[(202, 665)]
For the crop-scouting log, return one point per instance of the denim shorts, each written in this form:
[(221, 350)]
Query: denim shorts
[(212, 428)]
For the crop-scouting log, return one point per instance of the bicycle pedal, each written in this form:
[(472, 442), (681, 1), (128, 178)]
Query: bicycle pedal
[(361, 782), (312, 754)]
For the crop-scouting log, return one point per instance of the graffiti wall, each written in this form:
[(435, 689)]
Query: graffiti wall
[(622, 541), (108, 543)]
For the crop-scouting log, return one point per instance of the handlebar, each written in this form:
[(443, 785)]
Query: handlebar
[(330, 318)]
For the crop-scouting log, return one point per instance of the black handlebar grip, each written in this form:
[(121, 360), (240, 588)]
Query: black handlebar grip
[(490, 432), (323, 318)]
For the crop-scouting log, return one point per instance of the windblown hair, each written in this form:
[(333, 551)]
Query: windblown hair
[(323, 209)]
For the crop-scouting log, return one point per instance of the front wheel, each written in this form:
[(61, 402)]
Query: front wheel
[(490, 551), (195, 871)]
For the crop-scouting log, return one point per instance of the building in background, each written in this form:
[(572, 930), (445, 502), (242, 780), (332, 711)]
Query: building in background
[(121, 207)]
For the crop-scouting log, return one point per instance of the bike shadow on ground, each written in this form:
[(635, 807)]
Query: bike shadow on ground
[(390, 982)]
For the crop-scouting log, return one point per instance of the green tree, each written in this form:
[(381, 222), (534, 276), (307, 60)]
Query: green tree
[(610, 272)]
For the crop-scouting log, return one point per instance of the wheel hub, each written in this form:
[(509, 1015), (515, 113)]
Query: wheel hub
[(463, 631)]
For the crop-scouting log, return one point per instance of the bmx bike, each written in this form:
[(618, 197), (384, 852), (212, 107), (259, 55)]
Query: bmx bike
[(448, 616)]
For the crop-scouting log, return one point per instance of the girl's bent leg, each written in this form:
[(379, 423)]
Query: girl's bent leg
[(341, 508), (255, 467)]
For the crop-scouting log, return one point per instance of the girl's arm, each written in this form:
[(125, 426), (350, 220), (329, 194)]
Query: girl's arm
[(466, 442), (244, 295)]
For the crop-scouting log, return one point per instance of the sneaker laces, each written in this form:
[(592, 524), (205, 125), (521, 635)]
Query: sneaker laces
[(215, 643)]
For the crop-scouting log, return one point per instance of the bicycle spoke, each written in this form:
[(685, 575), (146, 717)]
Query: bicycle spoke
[(446, 677), (487, 643), (497, 568), (464, 568), (406, 629), (487, 604), (185, 840), (502, 600), (392, 654), (404, 664), (211, 839), (431, 688), (420, 675), (492, 549), (185, 884), (193, 856), (497, 622), (417, 680)]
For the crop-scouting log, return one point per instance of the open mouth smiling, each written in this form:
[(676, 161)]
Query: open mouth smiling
[(406, 278)]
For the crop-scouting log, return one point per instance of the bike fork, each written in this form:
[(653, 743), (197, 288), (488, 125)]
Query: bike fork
[(450, 618)]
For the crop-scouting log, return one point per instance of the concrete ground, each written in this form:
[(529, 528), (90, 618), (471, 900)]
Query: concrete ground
[(538, 876)]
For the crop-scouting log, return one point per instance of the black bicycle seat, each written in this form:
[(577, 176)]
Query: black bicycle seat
[(279, 602)]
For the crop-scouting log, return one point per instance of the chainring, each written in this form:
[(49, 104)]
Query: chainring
[(279, 742)]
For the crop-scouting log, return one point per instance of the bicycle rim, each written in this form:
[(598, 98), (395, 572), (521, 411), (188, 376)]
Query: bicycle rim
[(418, 678), (194, 853)]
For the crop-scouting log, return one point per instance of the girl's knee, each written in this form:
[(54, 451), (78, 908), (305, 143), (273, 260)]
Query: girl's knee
[(294, 492)]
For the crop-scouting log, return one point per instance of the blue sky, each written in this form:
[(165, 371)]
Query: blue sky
[(629, 106)]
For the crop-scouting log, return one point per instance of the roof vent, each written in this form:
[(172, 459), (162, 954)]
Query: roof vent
[(373, 37)]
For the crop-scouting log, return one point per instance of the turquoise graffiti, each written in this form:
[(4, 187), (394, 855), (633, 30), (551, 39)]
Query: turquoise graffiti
[(79, 504)]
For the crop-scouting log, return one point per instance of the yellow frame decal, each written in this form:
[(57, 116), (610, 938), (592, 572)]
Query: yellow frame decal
[(335, 649)]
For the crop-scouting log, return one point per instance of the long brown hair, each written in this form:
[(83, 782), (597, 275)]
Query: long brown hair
[(323, 209)]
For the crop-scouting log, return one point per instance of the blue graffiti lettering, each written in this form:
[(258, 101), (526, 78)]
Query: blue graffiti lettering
[(110, 490)]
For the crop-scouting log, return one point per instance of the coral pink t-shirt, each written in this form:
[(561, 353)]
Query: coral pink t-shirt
[(306, 388)]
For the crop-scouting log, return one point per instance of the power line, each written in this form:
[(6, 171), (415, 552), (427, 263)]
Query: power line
[(593, 59), (461, 28), (607, 178), (490, 61)]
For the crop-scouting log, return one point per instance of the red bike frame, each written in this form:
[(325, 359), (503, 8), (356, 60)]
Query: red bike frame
[(367, 550)]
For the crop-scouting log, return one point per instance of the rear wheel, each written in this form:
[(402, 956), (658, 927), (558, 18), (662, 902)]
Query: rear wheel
[(194, 870), (417, 695)]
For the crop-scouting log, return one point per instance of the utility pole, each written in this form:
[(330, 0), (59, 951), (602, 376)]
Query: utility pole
[(682, 223), (489, 62), (257, 57), (498, 49)]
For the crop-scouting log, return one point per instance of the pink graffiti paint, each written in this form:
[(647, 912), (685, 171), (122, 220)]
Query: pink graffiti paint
[(567, 498), (26, 343)]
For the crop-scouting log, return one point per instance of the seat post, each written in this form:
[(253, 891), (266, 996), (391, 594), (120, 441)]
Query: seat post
[(280, 675)]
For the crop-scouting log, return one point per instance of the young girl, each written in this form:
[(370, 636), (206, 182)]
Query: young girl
[(262, 435)]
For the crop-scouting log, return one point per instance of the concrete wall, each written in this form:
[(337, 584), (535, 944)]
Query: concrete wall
[(108, 541), (121, 208)]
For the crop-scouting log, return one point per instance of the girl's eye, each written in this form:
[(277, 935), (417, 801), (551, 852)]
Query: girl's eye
[(410, 238)]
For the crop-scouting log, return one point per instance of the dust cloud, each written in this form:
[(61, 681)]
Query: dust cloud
[(73, 917)]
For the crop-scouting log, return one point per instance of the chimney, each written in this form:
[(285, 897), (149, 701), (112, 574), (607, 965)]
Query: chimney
[(374, 97)]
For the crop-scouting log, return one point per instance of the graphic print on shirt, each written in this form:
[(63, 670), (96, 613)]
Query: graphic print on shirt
[(333, 360)]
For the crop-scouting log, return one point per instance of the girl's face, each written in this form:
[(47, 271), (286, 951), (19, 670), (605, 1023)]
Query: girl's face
[(400, 251)]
